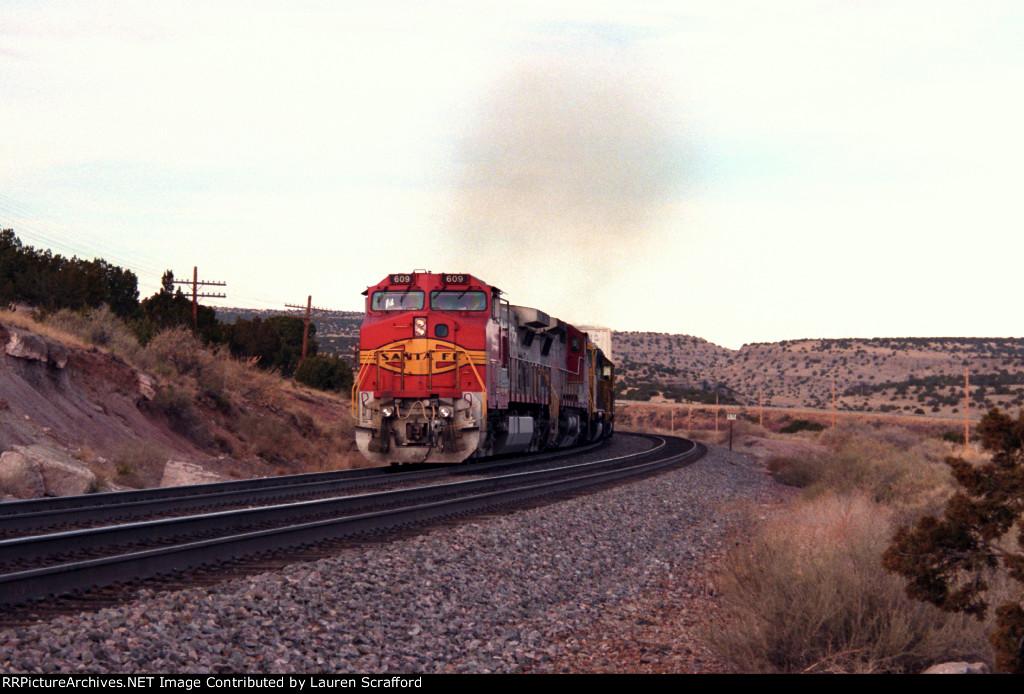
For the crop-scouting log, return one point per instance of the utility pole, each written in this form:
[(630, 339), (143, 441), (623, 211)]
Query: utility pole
[(833, 401), (967, 410), (305, 328), (196, 295)]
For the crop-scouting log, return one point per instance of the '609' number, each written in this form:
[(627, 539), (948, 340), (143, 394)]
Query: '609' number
[(401, 279), (454, 279)]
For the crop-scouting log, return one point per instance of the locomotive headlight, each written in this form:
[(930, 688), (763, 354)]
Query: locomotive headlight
[(387, 411), (445, 411), (419, 326)]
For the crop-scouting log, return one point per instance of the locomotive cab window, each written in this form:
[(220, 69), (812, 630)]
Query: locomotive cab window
[(396, 301), (455, 300)]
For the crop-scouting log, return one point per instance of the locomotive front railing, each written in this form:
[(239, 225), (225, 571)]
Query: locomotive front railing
[(461, 359)]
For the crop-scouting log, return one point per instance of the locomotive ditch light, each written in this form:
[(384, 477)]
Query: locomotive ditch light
[(419, 326), (446, 412), (387, 411)]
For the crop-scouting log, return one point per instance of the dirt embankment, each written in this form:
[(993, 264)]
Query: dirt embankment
[(75, 399), (124, 423)]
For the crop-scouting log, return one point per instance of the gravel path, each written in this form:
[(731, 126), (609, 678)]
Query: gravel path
[(611, 581)]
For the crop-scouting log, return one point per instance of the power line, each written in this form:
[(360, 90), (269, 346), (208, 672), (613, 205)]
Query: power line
[(58, 236)]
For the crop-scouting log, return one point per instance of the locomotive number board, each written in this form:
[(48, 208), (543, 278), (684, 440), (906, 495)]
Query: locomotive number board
[(401, 279), (454, 279)]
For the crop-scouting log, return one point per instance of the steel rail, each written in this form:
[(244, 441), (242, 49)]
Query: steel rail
[(43, 582), (45, 504), (35, 514), (37, 547)]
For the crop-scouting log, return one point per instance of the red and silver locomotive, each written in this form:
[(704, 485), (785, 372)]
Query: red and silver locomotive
[(449, 370)]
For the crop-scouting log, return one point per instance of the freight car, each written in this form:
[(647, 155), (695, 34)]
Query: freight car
[(449, 370)]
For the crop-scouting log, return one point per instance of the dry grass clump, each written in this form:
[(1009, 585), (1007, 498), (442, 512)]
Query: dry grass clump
[(99, 327), (808, 594), (802, 470), (27, 322), (138, 463), (891, 465)]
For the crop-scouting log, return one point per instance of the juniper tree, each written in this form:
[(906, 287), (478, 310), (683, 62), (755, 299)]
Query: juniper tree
[(949, 561)]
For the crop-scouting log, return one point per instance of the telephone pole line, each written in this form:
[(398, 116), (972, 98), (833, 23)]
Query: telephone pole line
[(309, 308), (196, 295)]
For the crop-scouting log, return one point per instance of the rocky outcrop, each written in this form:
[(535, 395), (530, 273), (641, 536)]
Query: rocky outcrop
[(147, 387), (958, 668), (31, 471), (25, 345), (20, 476), (178, 473)]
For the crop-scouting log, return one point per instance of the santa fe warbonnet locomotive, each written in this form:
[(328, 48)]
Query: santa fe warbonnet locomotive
[(449, 370)]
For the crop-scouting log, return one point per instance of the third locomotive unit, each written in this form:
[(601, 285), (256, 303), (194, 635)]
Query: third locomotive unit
[(449, 370)]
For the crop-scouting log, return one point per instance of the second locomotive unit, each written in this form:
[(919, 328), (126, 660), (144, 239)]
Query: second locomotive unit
[(449, 370)]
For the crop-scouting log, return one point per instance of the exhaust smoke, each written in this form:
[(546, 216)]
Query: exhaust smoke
[(562, 179)]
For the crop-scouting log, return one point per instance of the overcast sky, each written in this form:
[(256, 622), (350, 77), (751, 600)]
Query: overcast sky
[(740, 171)]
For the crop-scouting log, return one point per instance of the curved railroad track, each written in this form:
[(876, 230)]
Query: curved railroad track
[(37, 567), (36, 516)]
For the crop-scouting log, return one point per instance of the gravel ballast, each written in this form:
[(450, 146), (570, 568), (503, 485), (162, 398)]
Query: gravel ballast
[(615, 580)]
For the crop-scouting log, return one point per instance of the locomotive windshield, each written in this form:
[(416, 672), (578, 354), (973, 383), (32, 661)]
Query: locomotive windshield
[(455, 300), (397, 301)]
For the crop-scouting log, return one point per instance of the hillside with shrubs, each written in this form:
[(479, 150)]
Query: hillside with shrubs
[(138, 382), (914, 376)]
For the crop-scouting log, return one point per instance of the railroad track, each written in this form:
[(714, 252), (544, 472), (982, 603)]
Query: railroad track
[(36, 567), (35, 516)]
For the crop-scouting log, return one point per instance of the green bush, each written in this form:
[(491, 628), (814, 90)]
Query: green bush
[(951, 561), (801, 425), (325, 372)]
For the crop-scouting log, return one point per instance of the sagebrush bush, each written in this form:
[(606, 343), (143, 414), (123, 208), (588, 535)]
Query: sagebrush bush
[(99, 327), (744, 427), (178, 408), (179, 349), (797, 470), (139, 462), (808, 594), (890, 465)]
